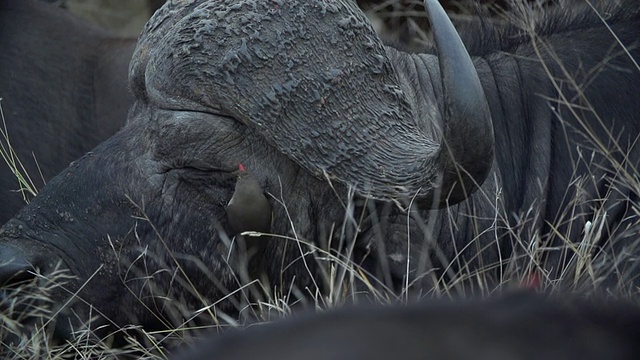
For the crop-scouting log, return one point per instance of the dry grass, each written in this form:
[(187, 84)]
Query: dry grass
[(9, 157)]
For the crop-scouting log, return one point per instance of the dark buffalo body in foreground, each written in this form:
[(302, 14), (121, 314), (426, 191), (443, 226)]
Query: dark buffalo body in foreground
[(516, 327), (63, 84), (358, 143)]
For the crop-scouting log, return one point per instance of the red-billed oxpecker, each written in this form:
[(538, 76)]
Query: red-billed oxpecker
[(249, 210)]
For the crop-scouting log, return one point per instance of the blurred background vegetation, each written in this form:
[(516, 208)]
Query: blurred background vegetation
[(394, 19)]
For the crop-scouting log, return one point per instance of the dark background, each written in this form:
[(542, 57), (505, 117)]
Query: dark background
[(399, 19)]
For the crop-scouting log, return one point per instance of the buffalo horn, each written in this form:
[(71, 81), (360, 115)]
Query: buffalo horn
[(468, 131)]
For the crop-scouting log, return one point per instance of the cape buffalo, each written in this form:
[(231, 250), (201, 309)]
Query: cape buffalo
[(417, 167), (516, 327), (63, 84)]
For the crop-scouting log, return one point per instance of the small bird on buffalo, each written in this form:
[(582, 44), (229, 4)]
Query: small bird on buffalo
[(249, 210)]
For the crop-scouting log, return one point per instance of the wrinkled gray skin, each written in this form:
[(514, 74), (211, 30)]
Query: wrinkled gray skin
[(63, 84), (300, 90), (516, 327)]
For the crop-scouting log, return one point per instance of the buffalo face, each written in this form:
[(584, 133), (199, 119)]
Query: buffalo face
[(306, 96)]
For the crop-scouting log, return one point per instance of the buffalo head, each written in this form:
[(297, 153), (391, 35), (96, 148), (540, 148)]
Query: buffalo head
[(301, 92)]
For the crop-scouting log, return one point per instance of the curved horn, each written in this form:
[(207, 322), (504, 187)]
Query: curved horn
[(312, 78), (468, 131)]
